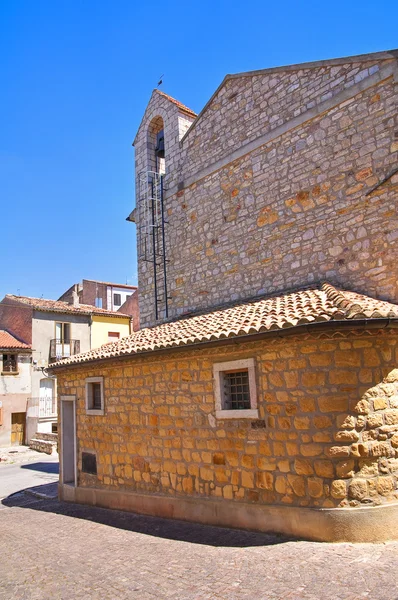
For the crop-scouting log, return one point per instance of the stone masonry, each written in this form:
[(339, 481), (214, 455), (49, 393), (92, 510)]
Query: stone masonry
[(273, 186), (326, 435)]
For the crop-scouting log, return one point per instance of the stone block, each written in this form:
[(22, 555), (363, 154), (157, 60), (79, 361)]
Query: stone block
[(264, 480), (345, 469), (324, 468), (339, 451), (347, 436), (303, 466), (374, 420), (391, 417), (385, 485), (298, 484), (311, 449), (247, 479), (332, 404), (358, 489), (315, 487), (338, 489), (219, 458), (380, 403)]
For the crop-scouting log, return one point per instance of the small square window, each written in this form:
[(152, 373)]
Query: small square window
[(113, 336), (10, 364), (235, 389), (95, 395), (117, 299)]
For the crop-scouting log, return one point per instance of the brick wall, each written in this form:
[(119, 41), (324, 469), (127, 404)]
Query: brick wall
[(325, 437), (92, 290), (291, 210), (131, 307), (17, 319)]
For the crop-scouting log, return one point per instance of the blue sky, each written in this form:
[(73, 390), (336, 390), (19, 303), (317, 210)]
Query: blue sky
[(75, 80)]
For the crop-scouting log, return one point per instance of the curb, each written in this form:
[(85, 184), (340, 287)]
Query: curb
[(34, 492)]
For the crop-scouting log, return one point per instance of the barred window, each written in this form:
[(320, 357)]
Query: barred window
[(10, 363), (235, 389)]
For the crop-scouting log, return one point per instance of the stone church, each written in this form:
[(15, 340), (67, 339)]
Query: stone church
[(261, 390)]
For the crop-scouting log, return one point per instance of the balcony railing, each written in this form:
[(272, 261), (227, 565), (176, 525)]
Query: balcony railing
[(63, 348), (42, 407)]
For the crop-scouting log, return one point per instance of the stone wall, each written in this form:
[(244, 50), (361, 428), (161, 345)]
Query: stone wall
[(325, 436), (271, 188), (248, 106)]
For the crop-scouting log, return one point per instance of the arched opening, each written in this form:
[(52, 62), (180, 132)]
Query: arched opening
[(156, 146)]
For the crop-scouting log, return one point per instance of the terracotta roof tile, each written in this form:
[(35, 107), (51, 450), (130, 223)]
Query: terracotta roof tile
[(181, 106), (266, 314), (9, 342), (59, 306)]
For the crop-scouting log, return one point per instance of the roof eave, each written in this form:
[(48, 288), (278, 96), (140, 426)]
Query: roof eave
[(317, 326), (384, 55)]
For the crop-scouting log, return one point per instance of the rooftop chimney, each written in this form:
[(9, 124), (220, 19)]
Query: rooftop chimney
[(75, 298)]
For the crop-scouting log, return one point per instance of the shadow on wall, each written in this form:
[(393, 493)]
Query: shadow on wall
[(170, 529)]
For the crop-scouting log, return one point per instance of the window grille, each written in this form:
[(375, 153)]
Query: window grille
[(10, 363), (96, 395), (236, 390)]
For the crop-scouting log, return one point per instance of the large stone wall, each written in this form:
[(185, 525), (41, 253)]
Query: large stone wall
[(252, 105), (289, 209), (325, 436)]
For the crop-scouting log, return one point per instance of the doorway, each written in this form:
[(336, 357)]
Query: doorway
[(47, 407), (68, 440), (18, 421)]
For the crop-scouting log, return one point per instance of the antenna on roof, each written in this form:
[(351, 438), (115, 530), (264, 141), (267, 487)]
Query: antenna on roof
[(160, 80), (18, 291)]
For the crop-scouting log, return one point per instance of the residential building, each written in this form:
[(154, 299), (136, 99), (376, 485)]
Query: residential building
[(51, 330), (110, 296), (261, 390), (15, 388)]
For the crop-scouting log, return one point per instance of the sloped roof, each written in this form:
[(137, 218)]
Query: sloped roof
[(58, 306), (9, 342), (181, 106), (262, 315), (116, 285), (329, 62)]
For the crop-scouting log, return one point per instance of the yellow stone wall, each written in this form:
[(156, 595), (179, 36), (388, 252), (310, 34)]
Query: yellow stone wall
[(325, 436), (102, 325)]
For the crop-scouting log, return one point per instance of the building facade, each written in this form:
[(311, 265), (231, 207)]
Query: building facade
[(52, 330), (15, 388), (287, 177), (110, 296), (262, 390)]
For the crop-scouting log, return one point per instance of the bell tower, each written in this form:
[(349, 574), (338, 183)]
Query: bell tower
[(157, 154)]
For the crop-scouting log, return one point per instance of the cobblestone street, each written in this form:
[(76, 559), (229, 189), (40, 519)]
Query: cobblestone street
[(52, 550)]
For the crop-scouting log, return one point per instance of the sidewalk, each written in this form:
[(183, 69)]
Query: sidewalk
[(20, 454)]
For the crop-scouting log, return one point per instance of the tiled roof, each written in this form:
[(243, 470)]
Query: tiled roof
[(58, 306), (181, 106), (116, 285), (9, 342), (257, 316)]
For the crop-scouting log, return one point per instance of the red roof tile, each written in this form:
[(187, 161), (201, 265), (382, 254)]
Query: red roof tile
[(257, 316), (181, 106), (59, 306), (9, 342)]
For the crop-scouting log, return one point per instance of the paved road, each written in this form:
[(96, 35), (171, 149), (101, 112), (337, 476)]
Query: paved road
[(52, 550), (20, 476)]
